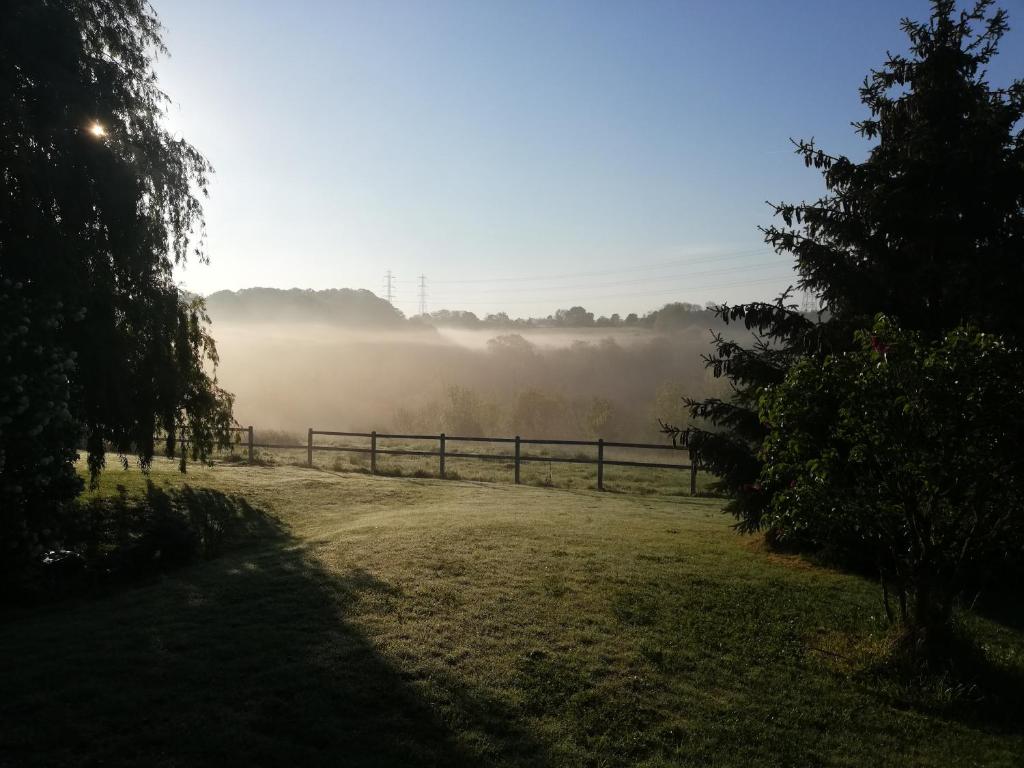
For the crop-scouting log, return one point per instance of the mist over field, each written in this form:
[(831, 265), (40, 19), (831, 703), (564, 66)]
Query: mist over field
[(544, 382)]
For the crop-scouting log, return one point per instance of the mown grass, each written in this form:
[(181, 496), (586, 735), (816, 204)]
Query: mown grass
[(422, 622)]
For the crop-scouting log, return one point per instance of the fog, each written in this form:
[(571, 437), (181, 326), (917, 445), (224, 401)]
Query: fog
[(553, 338), (552, 383)]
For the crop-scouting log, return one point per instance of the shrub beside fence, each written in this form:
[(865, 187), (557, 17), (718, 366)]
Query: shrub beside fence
[(517, 457)]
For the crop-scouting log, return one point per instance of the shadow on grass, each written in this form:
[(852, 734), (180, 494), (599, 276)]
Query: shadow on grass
[(109, 541), (967, 688), (246, 659), (1004, 606)]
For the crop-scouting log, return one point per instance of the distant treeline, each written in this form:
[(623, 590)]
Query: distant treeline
[(671, 316), (362, 308)]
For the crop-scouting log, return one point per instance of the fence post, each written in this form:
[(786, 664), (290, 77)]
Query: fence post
[(693, 474), (373, 452), (309, 448), (600, 464), (441, 454), (517, 459), (251, 458)]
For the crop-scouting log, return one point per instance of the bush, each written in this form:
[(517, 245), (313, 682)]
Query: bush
[(907, 455)]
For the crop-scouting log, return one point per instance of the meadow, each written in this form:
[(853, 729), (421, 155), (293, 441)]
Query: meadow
[(370, 621)]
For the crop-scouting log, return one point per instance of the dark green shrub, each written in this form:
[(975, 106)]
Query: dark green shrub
[(907, 454)]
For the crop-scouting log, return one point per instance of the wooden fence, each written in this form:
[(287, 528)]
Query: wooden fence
[(443, 452)]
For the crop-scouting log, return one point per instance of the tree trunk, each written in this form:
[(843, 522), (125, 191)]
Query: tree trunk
[(931, 626)]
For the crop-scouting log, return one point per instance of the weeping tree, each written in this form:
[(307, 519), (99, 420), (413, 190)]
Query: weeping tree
[(927, 231), (37, 430), (98, 202)]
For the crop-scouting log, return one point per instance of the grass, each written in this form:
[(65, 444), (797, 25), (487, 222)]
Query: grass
[(538, 472), (412, 621)]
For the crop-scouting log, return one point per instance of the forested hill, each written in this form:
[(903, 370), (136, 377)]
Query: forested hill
[(335, 306), (361, 308)]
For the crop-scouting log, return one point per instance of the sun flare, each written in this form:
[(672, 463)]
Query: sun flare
[(97, 130)]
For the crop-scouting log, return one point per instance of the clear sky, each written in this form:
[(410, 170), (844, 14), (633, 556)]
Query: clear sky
[(523, 156)]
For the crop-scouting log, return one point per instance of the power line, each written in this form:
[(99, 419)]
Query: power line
[(602, 297), (640, 281), (728, 256)]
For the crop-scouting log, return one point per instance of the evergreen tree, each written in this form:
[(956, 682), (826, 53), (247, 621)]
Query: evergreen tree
[(730, 449), (928, 230)]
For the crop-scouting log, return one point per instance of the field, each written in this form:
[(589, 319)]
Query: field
[(380, 621), (540, 471)]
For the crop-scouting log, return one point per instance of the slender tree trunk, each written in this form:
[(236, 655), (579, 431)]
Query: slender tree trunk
[(931, 622)]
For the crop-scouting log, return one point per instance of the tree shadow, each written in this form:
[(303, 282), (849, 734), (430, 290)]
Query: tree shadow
[(966, 686), (110, 541), (246, 659), (1004, 605)]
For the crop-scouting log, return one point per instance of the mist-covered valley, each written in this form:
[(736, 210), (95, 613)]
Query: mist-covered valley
[(347, 360), (544, 382)]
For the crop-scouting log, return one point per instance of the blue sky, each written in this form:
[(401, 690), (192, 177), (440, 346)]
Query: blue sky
[(523, 156)]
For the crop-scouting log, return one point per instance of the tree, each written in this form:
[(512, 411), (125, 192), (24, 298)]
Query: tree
[(905, 453), (456, 318), (37, 431), (97, 203), (598, 416), (499, 319), (574, 317), (463, 412), (536, 413), (927, 230), (731, 448)]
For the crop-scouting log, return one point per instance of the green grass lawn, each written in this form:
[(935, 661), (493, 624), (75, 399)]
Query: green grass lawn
[(403, 621)]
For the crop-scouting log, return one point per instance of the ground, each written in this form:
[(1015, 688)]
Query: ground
[(405, 621)]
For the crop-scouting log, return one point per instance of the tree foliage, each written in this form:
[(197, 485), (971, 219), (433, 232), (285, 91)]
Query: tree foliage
[(927, 231), (37, 430), (97, 203), (731, 449), (906, 452)]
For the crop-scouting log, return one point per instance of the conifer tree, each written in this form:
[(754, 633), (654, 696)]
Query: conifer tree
[(927, 230)]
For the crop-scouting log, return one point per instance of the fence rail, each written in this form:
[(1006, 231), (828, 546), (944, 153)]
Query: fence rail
[(442, 453)]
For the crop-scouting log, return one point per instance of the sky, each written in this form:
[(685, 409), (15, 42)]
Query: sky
[(520, 156)]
